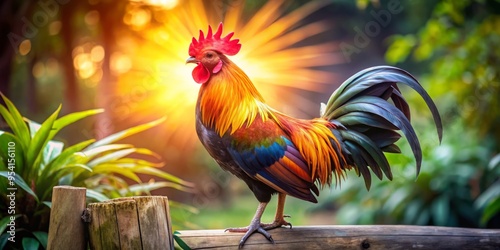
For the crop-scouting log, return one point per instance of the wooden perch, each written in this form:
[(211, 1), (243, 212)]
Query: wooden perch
[(350, 237), (144, 223)]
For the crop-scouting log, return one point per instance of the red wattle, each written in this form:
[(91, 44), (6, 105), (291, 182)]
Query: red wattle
[(200, 74)]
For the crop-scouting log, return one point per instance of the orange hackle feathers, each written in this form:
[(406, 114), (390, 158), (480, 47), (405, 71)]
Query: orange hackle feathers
[(230, 100)]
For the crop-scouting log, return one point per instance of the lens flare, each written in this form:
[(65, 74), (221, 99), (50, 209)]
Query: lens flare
[(275, 54)]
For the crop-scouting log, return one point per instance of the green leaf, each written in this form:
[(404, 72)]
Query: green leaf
[(440, 210), (150, 186), (396, 199), (71, 118), (400, 48), (492, 209), (126, 133), (5, 220), (30, 243), (38, 142), (51, 151), (15, 122), (132, 162), (489, 194), (62, 122), (4, 238), (111, 168), (42, 237), (191, 209), (494, 162), (180, 242), (19, 181), (56, 169), (412, 210), (65, 158), (70, 168), (112, 156), (47, 203), (33, 126), (5, 139), (91, 194), (117, 158), (163, 175), (90, 152)]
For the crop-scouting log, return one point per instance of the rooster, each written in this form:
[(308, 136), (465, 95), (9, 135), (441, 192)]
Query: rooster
[(274, 153)]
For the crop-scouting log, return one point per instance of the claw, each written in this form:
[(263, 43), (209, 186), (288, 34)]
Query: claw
[(254, 227), (257, 227), (249, 233), (277, 223)]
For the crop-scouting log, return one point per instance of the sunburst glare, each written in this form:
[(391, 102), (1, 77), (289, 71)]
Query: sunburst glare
[(274, 55)]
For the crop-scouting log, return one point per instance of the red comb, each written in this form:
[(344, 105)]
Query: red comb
[(215, 42)]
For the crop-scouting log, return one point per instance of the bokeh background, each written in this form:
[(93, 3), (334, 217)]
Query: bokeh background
[(128, 57)]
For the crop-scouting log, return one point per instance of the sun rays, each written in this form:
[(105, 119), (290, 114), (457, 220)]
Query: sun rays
[(270, 55)]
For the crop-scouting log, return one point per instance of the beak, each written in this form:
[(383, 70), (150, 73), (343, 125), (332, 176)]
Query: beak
[(191, 60)]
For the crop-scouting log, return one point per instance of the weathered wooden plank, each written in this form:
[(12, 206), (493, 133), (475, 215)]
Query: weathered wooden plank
[(128, 224), (152, 213), (66, 230), (93, 229), (131, 223), (350, 237), (107, 226), (170, 238)]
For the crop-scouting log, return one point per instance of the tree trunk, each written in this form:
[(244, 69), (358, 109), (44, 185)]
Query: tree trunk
[(71, 102)]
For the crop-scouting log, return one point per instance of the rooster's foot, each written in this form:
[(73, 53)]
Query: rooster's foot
[(254, 227)]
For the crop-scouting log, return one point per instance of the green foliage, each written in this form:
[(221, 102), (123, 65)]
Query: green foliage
[(459, 45), (456, 186), (182, 245), (32, 162), (461, 49)]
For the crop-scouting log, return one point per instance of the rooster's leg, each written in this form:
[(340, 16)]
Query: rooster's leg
[(255, 226), (279, 219)]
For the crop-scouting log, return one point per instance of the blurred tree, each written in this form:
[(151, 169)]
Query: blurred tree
[(40, 31), (10, 13)]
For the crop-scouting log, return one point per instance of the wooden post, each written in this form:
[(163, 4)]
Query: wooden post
[(350, 237), (131, 223), (66, 229)]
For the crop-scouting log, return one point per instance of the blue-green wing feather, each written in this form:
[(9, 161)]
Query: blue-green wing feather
[(276, 162)]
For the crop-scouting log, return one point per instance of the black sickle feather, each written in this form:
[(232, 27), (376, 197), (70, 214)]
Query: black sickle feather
[(369, 121)]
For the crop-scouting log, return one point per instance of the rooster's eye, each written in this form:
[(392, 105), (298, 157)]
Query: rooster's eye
[(210, 55)]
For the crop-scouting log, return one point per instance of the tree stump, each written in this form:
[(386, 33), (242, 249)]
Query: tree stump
[(130, 223), (66, 230)]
